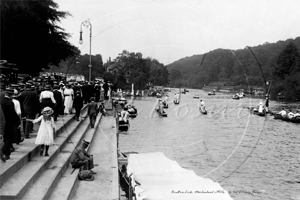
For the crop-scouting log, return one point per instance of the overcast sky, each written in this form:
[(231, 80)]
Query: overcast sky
[(168, 30)]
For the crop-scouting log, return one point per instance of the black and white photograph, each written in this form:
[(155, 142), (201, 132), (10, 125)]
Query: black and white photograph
[(150, 100)]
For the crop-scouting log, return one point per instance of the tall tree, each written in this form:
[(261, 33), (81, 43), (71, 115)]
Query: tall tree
[(287, 73), (287, 61), (30, 36)]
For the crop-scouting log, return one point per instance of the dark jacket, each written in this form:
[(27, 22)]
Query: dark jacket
[(78, 101), (30, 101), (2, 121), (92, 108), (11, 118), (58, 98)]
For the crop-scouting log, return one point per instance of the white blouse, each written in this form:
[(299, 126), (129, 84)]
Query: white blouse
[(47, 94)]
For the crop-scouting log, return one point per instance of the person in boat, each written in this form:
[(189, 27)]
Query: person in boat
[(202, 105), (297, 114), (290, 114), (175, 98), (166, 100), (261, 107), (131, 109), (267, 104), (124, 115), (160, 106), (282, 112)]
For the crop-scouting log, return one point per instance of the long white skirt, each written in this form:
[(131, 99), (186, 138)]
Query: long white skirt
[(68, 104), (45, 133)]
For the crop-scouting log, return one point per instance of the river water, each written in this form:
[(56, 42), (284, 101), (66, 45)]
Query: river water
[(252, 157)]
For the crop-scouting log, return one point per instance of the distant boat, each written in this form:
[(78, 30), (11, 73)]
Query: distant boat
[(236, 97), (165, 105), (158, 95), (163, 114), (285, 118), (132, 112), (256, 112), (167, 89), (204, 112), (124, 126), (212, 93)]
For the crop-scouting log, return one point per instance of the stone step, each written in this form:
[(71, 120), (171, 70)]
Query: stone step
[(103, 149), (43, 187), (67, 184), (17, 185), (27, 150)]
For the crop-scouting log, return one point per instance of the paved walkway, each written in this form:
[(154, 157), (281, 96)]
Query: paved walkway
[(103, 148)]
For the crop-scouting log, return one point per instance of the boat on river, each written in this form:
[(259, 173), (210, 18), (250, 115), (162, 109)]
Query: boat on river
[(196, 96), (285, 118), (212, 93), (158, 95), (236, 97), (165, 105), (120, 100), (132, 112), (256, 112), (203, 111), (124, 126), (154, 176), (163, 114)]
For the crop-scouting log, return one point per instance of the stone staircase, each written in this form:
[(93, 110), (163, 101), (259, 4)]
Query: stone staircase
[(27, 175)]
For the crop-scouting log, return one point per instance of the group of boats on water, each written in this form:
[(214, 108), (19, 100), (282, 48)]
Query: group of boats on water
[(262, 109), (128, 183)]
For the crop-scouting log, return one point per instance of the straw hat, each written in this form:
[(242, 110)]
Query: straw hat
[(47, 110), (86, 143)]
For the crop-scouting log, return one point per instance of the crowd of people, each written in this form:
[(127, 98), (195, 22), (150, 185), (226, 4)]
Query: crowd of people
[(24, 104)]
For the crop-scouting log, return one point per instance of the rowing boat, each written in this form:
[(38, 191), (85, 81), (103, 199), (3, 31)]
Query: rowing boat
[(285, 118)]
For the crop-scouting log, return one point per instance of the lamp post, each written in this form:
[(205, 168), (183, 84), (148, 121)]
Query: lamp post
[(87, 24)]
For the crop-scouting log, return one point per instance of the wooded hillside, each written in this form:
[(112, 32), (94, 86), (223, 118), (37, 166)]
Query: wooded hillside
[(239, 67)]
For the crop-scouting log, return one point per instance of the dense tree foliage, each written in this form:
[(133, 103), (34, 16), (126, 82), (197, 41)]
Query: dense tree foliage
[(287, 73), (133, 68), (79, 65), (279, 63), (30, 36)]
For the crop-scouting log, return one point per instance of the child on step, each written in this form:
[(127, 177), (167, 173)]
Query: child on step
[(46, 130)]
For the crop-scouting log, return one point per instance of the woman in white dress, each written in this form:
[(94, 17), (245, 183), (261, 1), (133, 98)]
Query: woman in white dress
[(46, 130), (69, 96)]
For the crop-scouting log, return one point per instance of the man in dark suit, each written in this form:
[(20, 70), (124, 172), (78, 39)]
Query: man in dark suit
[(59, 101), (105, 88), (92, 111), (30, 102), (12, 120)]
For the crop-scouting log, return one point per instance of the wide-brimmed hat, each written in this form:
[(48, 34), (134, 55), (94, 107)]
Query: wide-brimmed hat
[(55, 87), (85, 142), (15, 86), (47, 110), (28, 85), (47, 87)]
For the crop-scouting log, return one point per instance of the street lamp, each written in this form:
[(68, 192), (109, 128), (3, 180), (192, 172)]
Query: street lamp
[(87, 24)]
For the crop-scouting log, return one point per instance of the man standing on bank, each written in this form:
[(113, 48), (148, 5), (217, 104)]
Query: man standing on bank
[(81, 159), (105, 88), (92, 111)]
